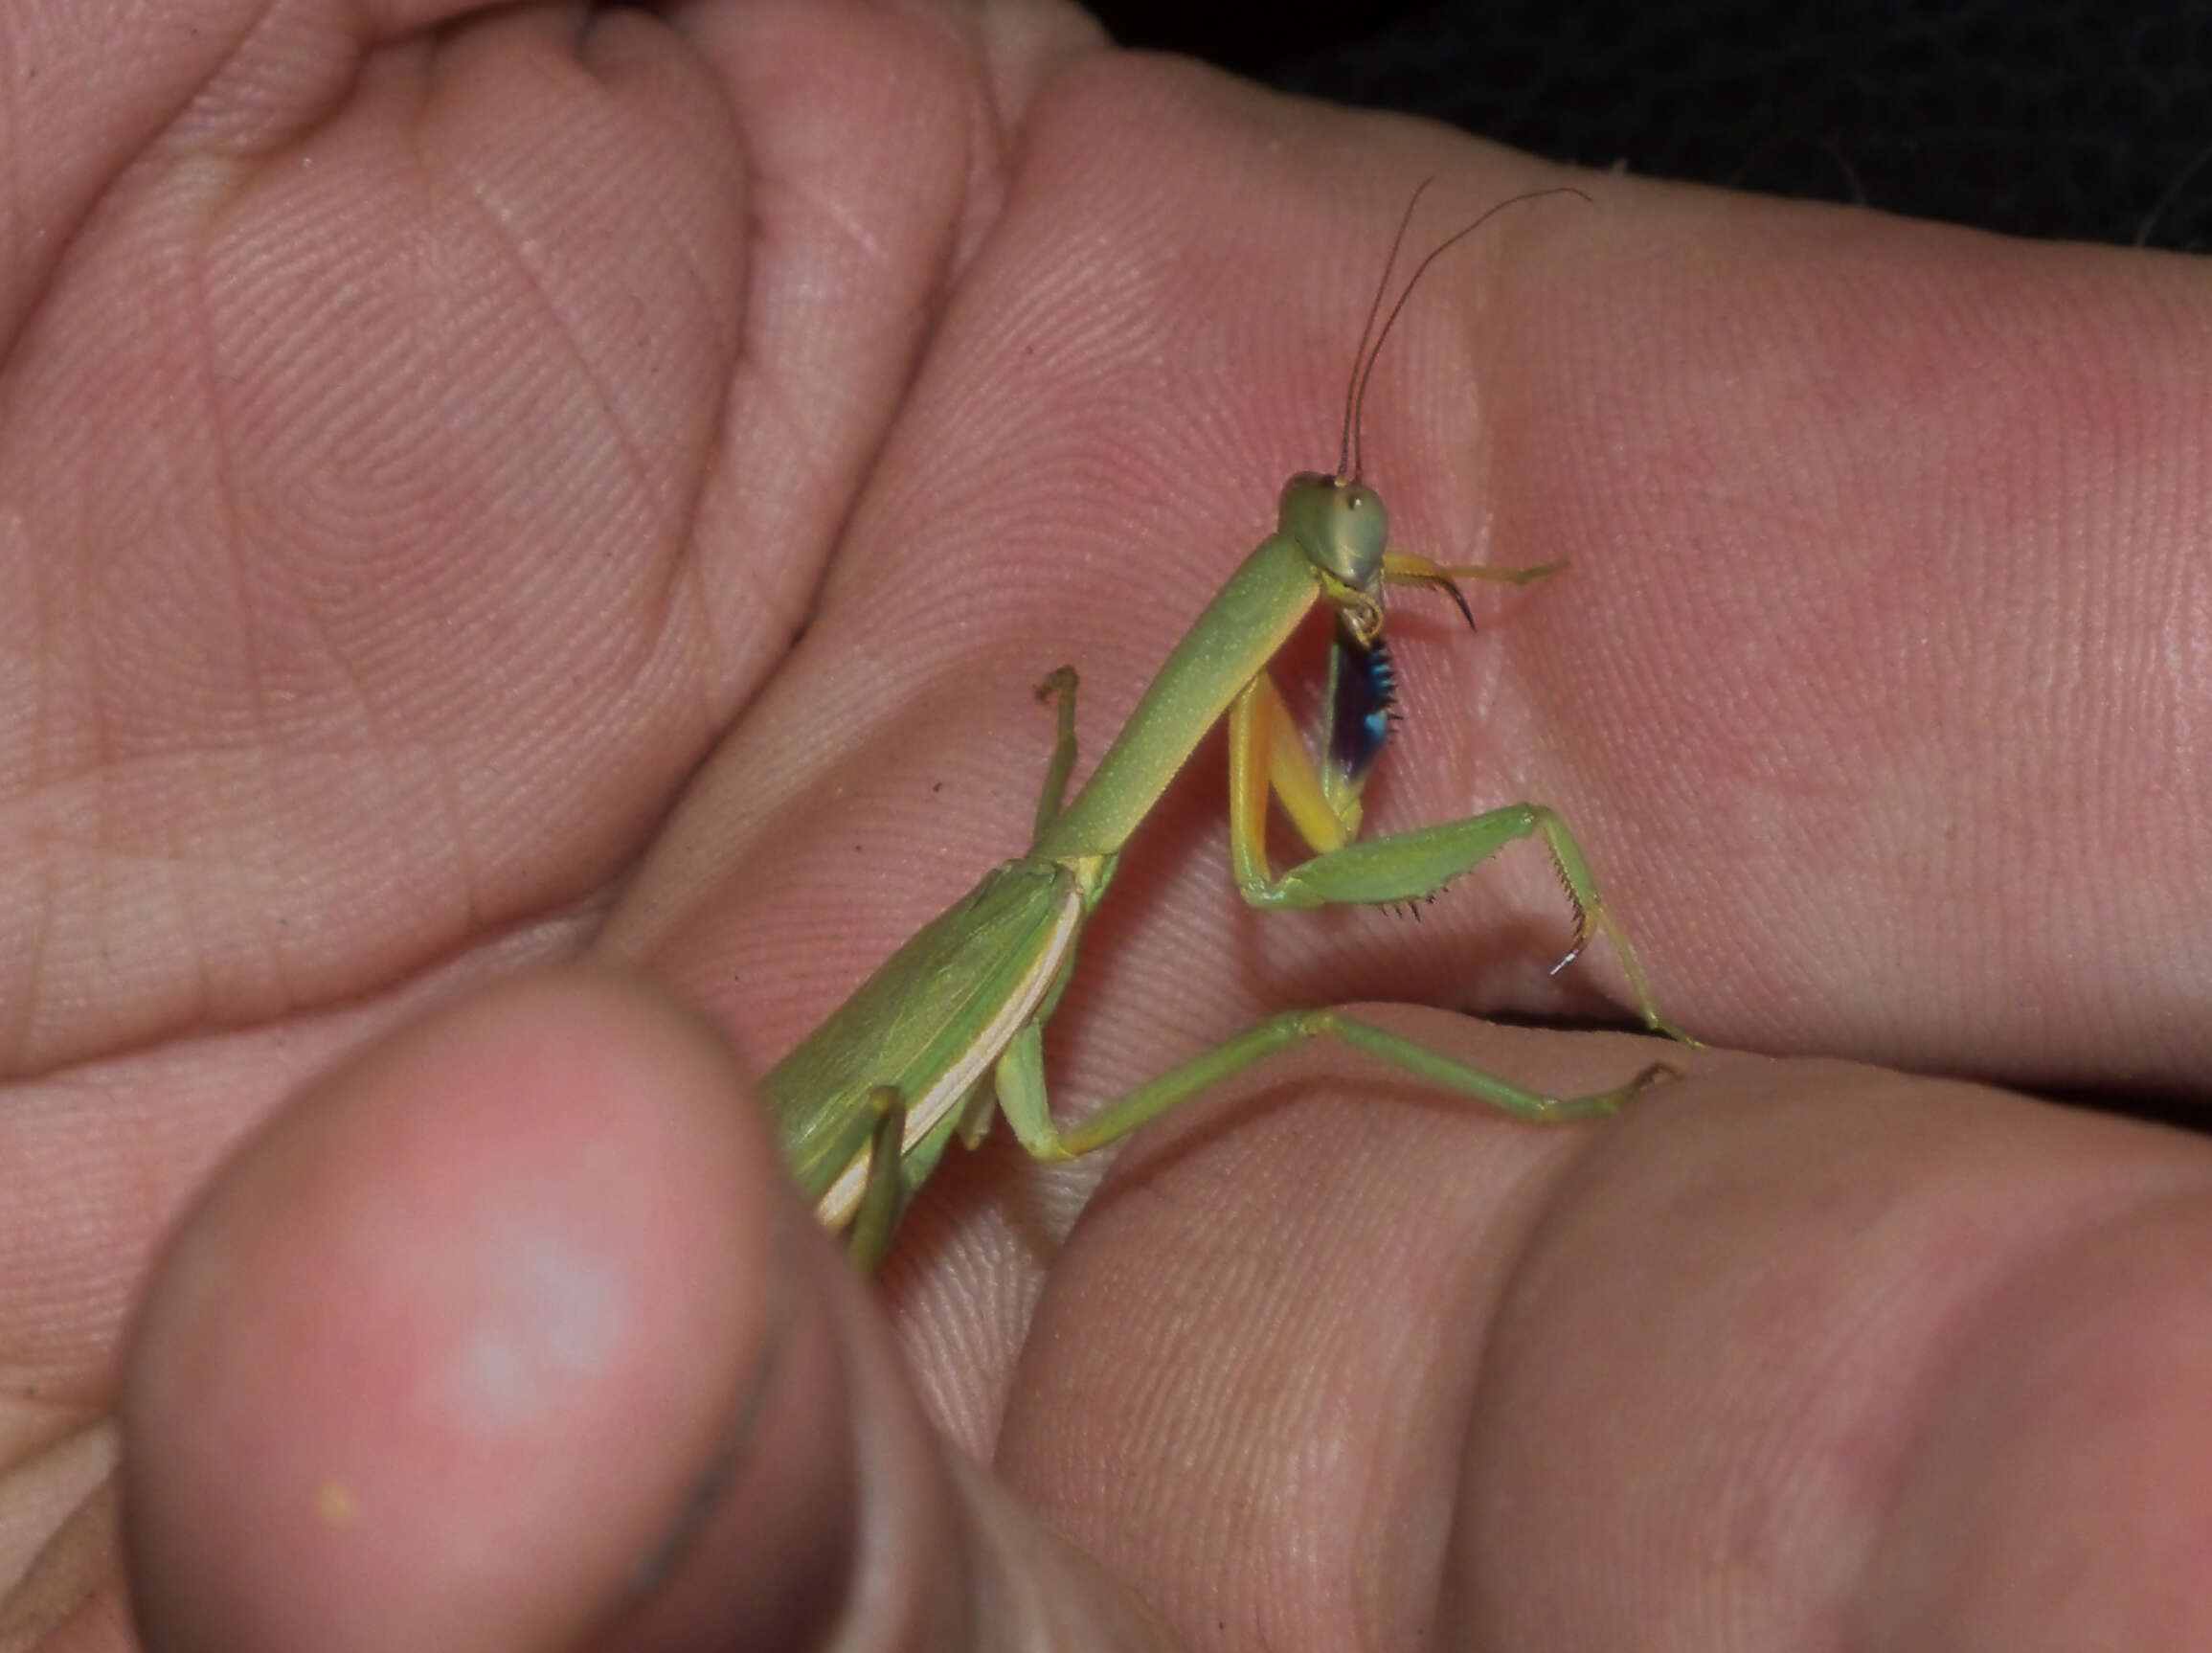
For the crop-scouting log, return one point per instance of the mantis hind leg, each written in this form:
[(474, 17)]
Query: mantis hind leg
[(897, 1169), (1266, 755), (1021, 1094), (883, 1197)]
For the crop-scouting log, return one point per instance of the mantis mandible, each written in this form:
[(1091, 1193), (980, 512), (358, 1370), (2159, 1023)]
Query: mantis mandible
[(949, 1029)]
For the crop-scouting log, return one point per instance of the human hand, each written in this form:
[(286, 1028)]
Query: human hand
[(1633, 394)]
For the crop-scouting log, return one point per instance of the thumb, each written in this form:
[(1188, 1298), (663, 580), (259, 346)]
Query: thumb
[(511, 1335)]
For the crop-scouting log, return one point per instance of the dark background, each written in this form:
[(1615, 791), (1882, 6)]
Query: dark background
[(2091, 122)]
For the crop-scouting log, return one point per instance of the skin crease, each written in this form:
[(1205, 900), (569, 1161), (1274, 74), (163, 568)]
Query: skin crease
[(420, 453)]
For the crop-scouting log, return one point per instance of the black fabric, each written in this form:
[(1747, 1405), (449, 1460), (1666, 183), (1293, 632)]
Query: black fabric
[(2066, 120)]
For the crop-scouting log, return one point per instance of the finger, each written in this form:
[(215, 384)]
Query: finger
[(511, 1334), (1793, 1356), (434, 1360), (339, 378), (1818, 1354), (1801, 592)]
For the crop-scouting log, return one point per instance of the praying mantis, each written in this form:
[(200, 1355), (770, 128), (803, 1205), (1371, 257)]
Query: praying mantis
[(948, 1030)]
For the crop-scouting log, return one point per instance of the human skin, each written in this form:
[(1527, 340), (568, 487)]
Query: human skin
[(527, 539)]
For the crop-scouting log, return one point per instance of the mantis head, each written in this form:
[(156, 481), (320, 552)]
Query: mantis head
[(1337, 520), (1339, 524)]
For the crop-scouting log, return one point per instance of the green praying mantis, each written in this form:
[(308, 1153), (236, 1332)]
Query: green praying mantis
[(949, 1029)]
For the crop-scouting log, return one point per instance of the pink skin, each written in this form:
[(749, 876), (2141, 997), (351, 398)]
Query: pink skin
[(421, 450)]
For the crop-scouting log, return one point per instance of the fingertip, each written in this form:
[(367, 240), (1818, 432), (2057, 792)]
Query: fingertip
[(436, 1359)]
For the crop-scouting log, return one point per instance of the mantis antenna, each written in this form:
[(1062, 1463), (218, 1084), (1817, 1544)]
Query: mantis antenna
[(1348, 456)]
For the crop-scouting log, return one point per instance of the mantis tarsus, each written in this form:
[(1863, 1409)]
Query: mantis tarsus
[(949, 1029)]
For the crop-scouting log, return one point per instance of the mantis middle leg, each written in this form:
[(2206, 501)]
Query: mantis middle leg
[(1267, 755)]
